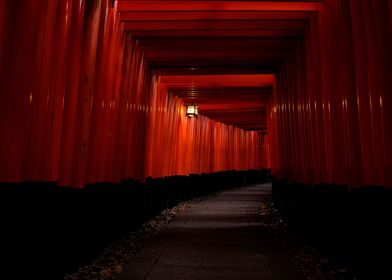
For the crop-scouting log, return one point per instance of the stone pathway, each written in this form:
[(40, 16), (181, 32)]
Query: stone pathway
[(224, 237)]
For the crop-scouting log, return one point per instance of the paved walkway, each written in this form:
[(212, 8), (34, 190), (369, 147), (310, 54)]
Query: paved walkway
[(220, 238)]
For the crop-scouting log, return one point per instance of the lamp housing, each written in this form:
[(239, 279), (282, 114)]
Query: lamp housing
[(192, 110)]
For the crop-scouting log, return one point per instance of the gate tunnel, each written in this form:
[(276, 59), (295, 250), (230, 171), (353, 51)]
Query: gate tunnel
[(93, 133)]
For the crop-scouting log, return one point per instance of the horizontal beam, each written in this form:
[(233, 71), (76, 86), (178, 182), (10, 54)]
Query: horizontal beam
[(258, 79), (214, 25), (275, 33), (212, 70), (229, 90), (217, 15), (215, 43), (145, 5), (222, 96), (249, 102), (214, 54)]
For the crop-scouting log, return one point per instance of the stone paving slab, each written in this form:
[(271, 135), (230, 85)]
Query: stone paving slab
[(220, 238)]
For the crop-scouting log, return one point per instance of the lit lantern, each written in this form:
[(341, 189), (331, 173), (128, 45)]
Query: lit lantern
[(192, 111)]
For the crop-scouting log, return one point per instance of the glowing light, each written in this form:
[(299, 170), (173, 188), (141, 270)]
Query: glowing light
[(192, 110)]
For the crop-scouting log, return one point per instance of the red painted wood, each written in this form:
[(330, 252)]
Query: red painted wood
[(71, 89), (125, 5), (213, 25), (207, 15), (63, 27), (86, 89), (302, 87), (335, 125), (290, 33)]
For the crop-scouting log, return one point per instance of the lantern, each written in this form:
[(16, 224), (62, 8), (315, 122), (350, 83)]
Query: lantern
[(192, 110)]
